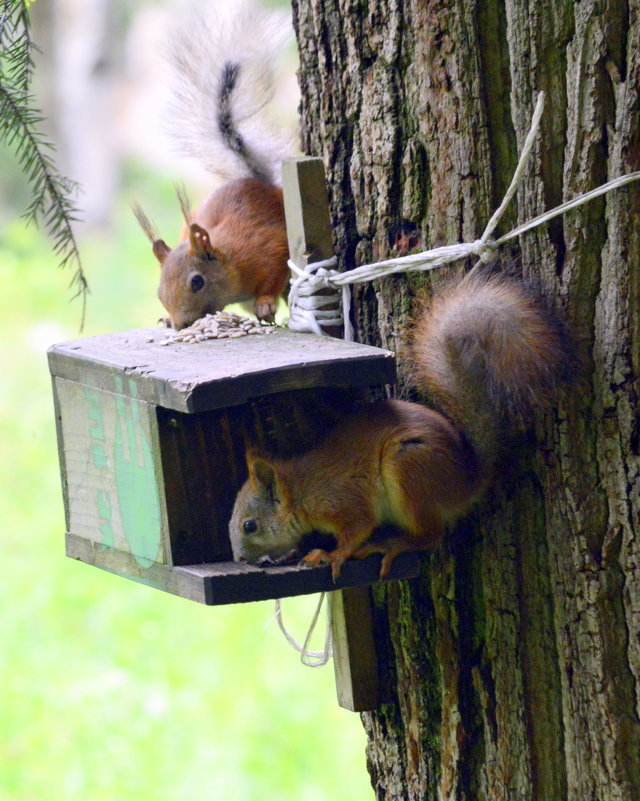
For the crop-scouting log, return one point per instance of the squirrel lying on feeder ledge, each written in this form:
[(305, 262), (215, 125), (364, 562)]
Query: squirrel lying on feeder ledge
[(234, 247), (392, 476)]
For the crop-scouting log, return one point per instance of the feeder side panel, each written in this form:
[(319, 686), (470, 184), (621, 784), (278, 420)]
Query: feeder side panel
[(112, 473)]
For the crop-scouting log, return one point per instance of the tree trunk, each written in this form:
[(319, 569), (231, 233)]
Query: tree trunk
[(511, 668), (83, 87)]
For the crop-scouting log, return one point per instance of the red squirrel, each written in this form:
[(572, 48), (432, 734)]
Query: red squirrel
[(486, 353), (234, 247)]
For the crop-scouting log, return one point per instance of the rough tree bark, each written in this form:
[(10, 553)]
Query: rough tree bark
[(512, 666)]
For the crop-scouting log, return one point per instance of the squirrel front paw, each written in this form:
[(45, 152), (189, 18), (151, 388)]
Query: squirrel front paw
[(270, 561), (334, 558), (265, 308)]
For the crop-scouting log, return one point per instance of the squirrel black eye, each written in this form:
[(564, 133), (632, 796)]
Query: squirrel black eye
[(250, 526), (197, 282)]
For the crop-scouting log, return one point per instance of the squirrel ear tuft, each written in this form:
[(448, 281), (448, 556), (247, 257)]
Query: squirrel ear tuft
[(161, 250), (263, 478), (200, 244)]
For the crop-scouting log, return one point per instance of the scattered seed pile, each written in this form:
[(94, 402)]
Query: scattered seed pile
[(221, 325)]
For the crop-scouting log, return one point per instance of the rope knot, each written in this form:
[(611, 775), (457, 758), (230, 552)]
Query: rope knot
[(486, 250), (323, 278), (313, 281)]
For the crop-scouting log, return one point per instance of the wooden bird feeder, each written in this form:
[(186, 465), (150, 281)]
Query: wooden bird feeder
[(152, 451)]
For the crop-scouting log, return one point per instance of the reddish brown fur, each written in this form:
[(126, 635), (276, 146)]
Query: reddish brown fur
[(487, 353), (391, 463), (246, 257)]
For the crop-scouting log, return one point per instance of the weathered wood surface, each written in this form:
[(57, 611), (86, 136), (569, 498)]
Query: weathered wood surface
[(218, 373), (203, 467), (161, 484), (513, 665), (307, 210), (148, 489), (111, 471), (232, 582), (355, 660)]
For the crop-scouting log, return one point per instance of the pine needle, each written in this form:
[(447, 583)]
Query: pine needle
[(51, 204)]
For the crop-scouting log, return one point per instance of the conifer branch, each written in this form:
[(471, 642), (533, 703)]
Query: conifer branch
[(51, 203)]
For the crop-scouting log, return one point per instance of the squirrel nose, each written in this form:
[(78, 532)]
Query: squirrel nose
[(182, 322)]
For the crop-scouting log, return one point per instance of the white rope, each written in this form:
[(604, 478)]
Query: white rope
[(580, 200), (305, 306), (307, 657), (310, 278), (518, 175)]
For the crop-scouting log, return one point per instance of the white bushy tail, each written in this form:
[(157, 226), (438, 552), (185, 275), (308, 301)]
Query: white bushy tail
[(222, 63)]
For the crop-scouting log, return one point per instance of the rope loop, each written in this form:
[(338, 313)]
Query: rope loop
[(307, 657), (305, 305)]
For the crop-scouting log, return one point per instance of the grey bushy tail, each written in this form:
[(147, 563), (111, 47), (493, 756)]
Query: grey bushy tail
[(489, 354), (222, 78)]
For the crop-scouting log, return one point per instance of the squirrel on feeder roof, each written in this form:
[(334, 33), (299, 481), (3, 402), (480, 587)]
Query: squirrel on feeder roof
[(234, 247)]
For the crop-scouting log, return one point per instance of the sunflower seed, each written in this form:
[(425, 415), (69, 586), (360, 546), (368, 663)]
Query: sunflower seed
[(221, 325)]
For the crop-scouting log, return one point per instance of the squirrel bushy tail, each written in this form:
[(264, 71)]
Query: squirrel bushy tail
[(222, 77), (487, 353)]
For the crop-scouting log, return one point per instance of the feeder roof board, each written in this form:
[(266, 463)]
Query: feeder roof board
[(221, 372)]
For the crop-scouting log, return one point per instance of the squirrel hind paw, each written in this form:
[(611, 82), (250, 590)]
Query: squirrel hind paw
[(316, 557), (389, 548), (372, 548)]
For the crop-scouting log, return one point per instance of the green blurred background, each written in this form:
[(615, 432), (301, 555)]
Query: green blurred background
[(113, 691)]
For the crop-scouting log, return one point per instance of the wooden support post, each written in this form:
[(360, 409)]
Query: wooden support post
[(310, 239), (354, 650), (306, 209)]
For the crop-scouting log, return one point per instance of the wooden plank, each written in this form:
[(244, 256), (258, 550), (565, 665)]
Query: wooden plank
[(306, 208), (218, 373), (61, 457), (112, 473), (354, 651), (232, 582)]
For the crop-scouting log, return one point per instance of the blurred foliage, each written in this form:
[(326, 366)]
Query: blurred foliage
[(50, 203), (113, 691)]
